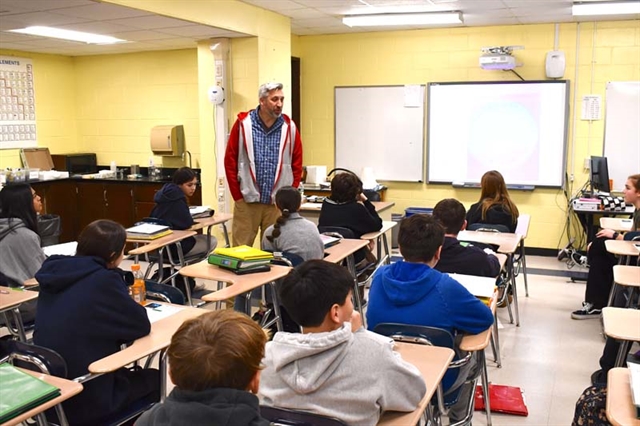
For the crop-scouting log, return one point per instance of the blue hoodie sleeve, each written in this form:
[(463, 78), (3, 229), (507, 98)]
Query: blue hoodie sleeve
[(468, 313)]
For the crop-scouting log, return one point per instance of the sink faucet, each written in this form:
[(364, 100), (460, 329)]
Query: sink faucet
[(187, 152)]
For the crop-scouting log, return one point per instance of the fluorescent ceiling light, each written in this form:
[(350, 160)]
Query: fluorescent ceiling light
[(69, 35), (606, 8), (400, 19)]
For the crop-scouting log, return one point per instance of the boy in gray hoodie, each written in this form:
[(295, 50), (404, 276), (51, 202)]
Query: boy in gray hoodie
[(334, 367)]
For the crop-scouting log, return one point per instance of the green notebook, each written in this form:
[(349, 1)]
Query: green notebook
[(20, 392)]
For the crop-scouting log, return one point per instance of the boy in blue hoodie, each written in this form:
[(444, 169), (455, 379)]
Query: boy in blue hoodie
[(413, 292)]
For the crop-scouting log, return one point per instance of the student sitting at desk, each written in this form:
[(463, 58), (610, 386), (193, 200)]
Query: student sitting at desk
[(334, 367), (457, 257), (19, 241), (495, 206), (22, 255), (172, 207), (215, 362), (348, 207), (85, 313), (292, 233), (411, 291), (601, 262)]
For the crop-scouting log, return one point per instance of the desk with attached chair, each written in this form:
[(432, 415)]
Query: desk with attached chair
[(10, 301)]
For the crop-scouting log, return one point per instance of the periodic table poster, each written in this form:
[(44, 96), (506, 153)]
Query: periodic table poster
[(17, 103)]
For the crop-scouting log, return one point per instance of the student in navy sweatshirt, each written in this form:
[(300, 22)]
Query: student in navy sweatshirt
[(172, 207), (85, 313), (413, 292)]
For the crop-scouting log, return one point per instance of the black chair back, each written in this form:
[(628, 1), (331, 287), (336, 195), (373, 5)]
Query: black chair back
[(164, 292), (35, 358)]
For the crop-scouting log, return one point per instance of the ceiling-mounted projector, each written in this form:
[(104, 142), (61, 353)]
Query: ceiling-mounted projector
[(492, 61)]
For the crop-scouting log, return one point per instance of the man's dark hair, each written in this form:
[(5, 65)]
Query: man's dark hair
[(451, 214), (419, 237), (309, 291), (183, 175), (345, 187), (102, 238)]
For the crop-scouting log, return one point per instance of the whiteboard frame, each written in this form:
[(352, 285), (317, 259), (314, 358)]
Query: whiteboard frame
[(423, 136), (567, 106)]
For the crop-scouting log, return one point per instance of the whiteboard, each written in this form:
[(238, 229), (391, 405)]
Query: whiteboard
[(622, 131), (381, 127), (517, 127)]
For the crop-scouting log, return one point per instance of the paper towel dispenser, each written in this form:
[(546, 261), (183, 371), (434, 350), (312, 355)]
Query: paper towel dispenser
[(167, 140)]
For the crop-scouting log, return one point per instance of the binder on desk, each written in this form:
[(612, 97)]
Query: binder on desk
[(148, 231), (329, 241), (243, 253), (20, 392)]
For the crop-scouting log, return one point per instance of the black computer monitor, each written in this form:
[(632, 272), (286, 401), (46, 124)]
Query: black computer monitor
[(599, 174)]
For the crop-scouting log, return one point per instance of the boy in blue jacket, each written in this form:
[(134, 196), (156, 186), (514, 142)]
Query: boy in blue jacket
[(413, 292)]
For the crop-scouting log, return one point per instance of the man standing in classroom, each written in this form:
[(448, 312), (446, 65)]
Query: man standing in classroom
[(264, 153)]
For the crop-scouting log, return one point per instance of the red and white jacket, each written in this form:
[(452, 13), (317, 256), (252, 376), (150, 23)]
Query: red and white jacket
[(239, 160)]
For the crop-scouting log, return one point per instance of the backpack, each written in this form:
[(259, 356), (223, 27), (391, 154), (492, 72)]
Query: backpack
[(591, 408)]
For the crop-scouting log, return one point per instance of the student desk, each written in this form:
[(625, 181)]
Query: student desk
[(586, 218), (208, 222), (10, 300), (478, 343), (157, 340), (311, 211), (623, 249), (616, 223), (238, 284), (507, 244), (620, 408), (68, 388), (432, 361), (344, 251), (624, 325), (522, 229), (380, 238), (147, 246), (627, 276)]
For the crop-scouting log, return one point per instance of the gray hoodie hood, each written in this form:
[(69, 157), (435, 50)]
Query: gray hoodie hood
[(8, 225), (306, 361)]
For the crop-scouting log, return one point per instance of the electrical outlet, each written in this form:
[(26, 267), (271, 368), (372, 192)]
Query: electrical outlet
[(571, 178), (587, 164), (220, 181)]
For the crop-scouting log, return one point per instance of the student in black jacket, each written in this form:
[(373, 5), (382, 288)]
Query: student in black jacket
[(215, 362), (460, 257), (85, 313), (172, 207), (348, 207), (495, 206)]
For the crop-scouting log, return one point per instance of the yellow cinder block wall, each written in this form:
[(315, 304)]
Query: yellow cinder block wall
[(54, 80), (120, 98), (608, 51)]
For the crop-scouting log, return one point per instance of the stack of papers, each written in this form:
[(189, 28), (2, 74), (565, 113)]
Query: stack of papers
[(148, 231), (481, 287), (160, 311), (200, 211), (328, 240)]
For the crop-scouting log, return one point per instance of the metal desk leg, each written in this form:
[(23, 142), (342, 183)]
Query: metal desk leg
[(351, 266), (485, 386), (515, 290), (19, 326), (276, 305), (623, 351), (524, 268), (163, 375), (226, 234), (495, 342), (387, 259)]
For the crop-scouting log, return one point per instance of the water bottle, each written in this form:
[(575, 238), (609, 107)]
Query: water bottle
[(301, 191), (138, 290)]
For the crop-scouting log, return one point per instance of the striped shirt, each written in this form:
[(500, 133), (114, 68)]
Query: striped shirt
[(266, 147)]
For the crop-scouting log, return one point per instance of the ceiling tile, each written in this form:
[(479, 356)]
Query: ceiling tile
[(306, 13), (320, 22), (46, 19), (103, 10), (276, 5), (142, 35), (105, 27), (42, 5)]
